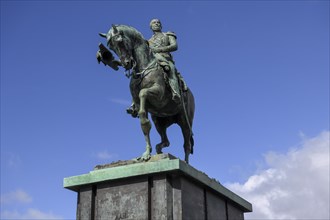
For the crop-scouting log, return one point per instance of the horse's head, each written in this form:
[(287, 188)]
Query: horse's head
[(119, 41)]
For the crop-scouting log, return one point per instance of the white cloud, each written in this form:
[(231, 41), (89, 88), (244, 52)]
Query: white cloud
[(105, 155), (18, 196), (29, 214), (296, 185)]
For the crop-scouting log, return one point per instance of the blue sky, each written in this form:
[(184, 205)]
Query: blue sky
[(259, 71)]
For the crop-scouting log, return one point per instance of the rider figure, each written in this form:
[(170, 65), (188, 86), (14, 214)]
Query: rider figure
[(162, 44)]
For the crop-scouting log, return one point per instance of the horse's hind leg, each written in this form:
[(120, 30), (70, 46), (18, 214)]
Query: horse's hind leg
[(187, 145), (187, 136), (161, 125)]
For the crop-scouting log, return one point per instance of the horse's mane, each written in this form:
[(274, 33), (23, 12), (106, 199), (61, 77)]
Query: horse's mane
[(134, 34), (136, 42)]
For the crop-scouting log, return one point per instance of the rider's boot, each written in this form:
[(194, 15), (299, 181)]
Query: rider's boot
[(173, 82), (175, 90)]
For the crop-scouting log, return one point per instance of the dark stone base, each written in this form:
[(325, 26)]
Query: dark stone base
[(165, 194)]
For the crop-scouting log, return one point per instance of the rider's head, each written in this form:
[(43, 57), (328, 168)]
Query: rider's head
[(155, 25)]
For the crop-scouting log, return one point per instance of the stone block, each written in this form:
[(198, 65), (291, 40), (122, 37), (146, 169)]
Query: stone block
[(163, 188), (216, 206), (234, 212)]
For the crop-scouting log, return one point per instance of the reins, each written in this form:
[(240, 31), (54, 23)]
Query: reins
[(143, 73), (129, 73)]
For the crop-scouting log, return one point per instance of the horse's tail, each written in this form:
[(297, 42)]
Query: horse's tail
[(189, 111), (192, 143)]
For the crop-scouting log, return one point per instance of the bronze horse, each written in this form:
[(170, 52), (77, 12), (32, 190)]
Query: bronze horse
[(149, 88)]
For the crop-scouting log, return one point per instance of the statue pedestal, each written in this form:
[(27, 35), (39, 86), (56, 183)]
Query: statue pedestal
[(162, 188)]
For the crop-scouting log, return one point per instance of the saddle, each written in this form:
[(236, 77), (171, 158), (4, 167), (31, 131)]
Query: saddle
[(165, 64)]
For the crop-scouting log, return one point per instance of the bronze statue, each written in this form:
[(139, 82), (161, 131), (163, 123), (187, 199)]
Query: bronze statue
[(162, 44), (150, 84)]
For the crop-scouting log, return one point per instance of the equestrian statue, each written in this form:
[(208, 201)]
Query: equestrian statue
[(156, 86)]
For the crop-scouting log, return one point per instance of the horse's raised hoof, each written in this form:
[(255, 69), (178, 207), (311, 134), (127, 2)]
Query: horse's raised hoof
[(132, 112)]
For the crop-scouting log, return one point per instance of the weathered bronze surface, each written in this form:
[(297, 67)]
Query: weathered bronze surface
[(155, 84)]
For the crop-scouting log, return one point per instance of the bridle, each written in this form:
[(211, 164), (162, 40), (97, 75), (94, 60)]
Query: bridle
[(131, 72)]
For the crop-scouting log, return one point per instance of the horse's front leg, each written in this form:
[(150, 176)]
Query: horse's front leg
[(145, 124)]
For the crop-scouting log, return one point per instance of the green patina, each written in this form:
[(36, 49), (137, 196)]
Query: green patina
[(119, 172), (157, 164), (156, 86)]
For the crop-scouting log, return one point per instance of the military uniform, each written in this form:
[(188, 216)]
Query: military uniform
[(163, 41), (162, 44)]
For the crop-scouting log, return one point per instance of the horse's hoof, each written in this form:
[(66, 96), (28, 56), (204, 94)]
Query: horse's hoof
[(132, 112), (142, 159), (159, 149), (145, 157), (138, 159), (186, 159)]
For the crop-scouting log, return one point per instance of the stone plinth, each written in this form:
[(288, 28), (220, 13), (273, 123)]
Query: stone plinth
[(162, 188)]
